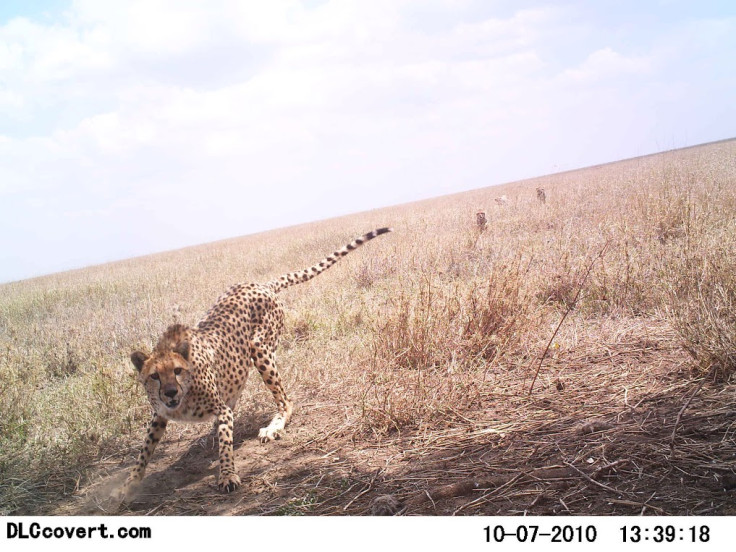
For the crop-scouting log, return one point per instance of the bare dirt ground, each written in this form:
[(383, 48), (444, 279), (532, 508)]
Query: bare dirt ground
[(594, 438)]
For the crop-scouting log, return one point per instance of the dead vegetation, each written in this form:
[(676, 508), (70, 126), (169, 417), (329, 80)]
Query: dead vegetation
[(411, 363)]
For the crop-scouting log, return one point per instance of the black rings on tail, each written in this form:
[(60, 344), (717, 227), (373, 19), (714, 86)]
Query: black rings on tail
[(293, 278)]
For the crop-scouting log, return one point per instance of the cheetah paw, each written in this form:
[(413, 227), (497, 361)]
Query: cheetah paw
[(228, 483), (125, 491), (267, 434)]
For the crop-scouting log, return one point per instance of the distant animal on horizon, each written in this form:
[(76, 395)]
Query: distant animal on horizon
[(197, 373), (502, 200), (541, 195), (481, 221)]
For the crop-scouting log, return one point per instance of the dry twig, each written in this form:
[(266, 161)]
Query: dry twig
[(567, 311)]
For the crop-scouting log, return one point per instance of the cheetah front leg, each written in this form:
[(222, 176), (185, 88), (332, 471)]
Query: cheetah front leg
[(156, 430), (228, 480), (266, 364)]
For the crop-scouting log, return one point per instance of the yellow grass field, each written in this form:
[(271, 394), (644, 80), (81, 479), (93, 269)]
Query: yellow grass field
[(411, 362)]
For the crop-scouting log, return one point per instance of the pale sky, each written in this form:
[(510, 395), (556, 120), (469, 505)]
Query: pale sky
[(140, 126)]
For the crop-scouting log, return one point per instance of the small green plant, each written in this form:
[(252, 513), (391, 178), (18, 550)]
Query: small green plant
[(297, 506)]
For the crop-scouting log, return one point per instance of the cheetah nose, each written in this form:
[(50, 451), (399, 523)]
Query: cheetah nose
[(171, 392)]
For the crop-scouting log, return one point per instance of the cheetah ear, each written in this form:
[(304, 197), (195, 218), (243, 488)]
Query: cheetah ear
[(138, 359), (182, 348)]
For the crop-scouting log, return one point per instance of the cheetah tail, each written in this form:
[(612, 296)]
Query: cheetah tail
[(293, 278)]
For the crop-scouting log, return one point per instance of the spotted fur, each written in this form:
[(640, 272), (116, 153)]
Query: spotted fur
[(541, 195), (197, 374), (481, 221)]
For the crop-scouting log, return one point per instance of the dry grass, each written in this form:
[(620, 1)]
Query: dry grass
[(428, 338)]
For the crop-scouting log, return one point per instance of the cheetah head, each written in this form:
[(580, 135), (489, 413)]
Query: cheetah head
[(166, 375)]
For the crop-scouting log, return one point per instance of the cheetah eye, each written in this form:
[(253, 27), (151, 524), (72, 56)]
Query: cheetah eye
[(177, 371), (154, 376)]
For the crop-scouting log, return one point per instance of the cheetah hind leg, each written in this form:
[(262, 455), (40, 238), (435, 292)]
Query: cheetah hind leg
[(267, 368)]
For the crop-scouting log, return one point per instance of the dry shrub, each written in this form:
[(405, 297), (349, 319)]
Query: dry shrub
[(373, 269), (435, 341), (622, 283), (300, 328), (497, 313), (416, 331), (397, 399), (673, 214), (695, 252), (560, 289), (701, 305), (580, 284), (454, 322), (16, 403)]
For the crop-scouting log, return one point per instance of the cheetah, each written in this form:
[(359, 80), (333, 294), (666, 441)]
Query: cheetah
[(481, 221), (541, 195), (195, 374)]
